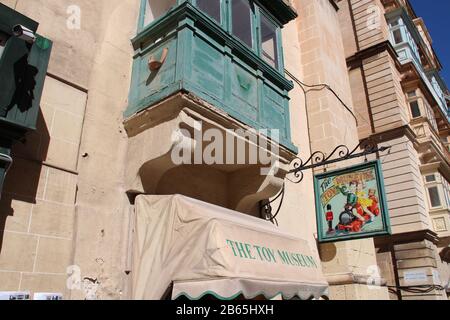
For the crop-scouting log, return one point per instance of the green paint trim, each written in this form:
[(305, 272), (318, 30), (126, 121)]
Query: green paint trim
[(382, 196), (185, 23), (152, 98), (185, 85), (141, 19), (159, 28), (279, 43), (238, 294), (212, 293)]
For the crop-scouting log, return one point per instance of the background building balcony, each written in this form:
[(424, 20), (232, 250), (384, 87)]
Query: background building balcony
[(411, 48)]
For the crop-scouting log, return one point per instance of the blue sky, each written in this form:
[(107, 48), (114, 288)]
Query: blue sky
[(436, 14)]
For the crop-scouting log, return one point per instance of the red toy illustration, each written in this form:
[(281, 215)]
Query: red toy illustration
[(374, 208), (349, 222), (330, 216)]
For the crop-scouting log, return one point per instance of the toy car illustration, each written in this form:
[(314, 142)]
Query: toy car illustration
[(349, 222)]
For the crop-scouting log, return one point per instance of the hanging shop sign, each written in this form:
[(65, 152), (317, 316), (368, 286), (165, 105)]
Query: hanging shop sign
[(351, 203)]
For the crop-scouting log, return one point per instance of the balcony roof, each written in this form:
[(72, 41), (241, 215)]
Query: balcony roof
[(281, 9)]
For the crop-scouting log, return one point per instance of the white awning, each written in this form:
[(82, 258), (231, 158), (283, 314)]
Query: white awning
[(204, 249)]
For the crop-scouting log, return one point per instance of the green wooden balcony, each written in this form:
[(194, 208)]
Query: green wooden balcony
[(199, 55)]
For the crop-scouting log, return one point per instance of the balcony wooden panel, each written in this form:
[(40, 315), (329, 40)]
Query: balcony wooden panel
[(209, 63)]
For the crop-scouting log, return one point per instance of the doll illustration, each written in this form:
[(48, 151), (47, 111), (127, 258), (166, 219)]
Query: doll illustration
[(374, 206), (357, 198)]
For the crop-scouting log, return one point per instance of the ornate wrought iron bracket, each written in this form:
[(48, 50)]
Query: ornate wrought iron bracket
[(318, 159), (339, 154)]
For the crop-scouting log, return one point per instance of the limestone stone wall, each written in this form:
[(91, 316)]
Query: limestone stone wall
[(64, 200), (378, 89), (330, 125), (385, 93), (63, 203), (298, 215), (37, 209), (419, 264), (73, 210), (404, 187), (369, 23)]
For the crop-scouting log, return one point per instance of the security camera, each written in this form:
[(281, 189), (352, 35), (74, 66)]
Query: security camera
[(24, 33)]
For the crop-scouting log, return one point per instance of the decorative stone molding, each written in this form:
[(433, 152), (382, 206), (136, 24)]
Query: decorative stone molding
[(170, 126)]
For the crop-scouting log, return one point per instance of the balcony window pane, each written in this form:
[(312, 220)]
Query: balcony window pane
[(211, 8), (447, 194), (412, 94), (242, 21), (395, 23), (435, 199), (398, 38), (415, 109), (157, 8), (430, 178), (269, 42)]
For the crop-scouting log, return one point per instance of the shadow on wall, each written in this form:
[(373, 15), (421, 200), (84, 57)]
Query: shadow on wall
[(22, 182), (327, 252)]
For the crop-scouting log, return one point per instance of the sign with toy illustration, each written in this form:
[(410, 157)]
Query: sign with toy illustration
[(351, 203)]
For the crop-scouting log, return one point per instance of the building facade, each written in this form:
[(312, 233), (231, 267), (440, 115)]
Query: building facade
[(401, 101), (139, 108)]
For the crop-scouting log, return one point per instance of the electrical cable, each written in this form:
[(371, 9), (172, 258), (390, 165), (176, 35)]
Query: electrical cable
[(316, 87), (322, 86), (420, 289)]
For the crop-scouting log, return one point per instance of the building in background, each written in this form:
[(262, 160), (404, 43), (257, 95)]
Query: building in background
[(109, 178), (401, 101)]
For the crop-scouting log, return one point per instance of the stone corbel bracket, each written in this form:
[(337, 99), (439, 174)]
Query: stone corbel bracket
[(155, 134)]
